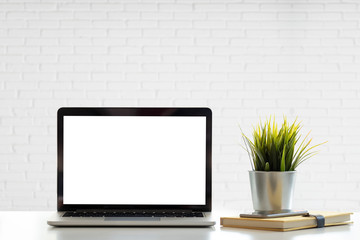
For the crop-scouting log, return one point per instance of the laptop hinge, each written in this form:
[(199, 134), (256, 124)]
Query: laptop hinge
[(135, 210)]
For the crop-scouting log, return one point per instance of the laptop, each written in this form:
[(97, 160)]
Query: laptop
[(133, 167)]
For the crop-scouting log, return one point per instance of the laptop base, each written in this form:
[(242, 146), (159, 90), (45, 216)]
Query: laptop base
[(59, 221)]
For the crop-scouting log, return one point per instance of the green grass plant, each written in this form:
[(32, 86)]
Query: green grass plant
[(278, 149)]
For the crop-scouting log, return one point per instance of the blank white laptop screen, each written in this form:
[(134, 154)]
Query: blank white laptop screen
[(134, 160)]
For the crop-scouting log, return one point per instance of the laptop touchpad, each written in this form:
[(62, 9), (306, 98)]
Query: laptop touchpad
[(137, 219)]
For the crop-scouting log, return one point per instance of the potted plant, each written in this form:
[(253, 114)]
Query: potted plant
[(275, 153)]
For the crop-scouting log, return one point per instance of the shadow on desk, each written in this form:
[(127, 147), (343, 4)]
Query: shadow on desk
[(312, 233), (129, 233)]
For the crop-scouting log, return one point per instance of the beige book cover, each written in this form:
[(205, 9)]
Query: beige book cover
[(287, 223)]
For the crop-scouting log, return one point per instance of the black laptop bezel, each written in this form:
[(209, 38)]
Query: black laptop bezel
[(96, 111)]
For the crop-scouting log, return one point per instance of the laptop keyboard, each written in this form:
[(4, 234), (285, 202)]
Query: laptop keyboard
[(133, 214)]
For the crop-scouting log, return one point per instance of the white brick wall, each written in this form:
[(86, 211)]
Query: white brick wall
[(244, 59)]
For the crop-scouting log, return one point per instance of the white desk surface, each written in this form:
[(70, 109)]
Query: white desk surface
[(32, 225)]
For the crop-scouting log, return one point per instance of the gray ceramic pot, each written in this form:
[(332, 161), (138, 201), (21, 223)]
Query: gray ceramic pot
[(272, 191)]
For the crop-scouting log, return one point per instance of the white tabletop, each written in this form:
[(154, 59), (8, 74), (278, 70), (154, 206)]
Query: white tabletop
[(32, 225)]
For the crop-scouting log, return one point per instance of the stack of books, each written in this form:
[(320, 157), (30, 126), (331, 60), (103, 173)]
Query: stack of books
[(284, 224)]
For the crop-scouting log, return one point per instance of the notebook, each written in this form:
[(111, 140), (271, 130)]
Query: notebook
[(134, 167), (290, 223)]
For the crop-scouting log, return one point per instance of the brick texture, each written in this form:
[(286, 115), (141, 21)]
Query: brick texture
[(244, 59)]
